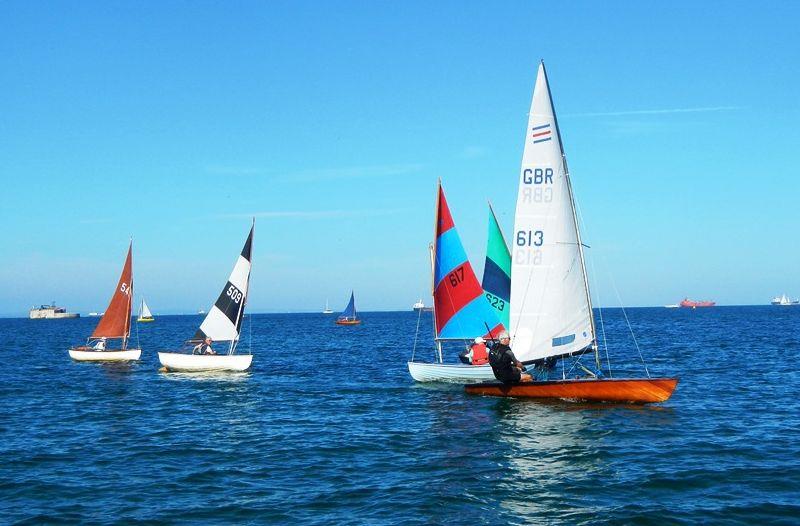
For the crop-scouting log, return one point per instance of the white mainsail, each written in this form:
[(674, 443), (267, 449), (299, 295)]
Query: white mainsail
[(145, 312), (551, 311), (223, 322)]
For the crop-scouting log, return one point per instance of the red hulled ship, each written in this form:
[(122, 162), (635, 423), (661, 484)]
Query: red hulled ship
[(691, 304)]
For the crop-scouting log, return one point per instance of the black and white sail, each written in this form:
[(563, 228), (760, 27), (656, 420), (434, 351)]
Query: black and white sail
[(224, 321)]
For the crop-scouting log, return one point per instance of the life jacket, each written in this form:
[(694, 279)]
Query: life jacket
[(501, 362), (479, 354)]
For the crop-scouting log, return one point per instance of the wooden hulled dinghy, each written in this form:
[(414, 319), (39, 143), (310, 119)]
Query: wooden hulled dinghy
[(626, 390), (222, 325), (115, 324), (349, 315), (551, 315)]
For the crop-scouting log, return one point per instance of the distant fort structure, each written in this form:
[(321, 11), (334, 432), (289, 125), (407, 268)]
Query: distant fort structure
[(51, 312)]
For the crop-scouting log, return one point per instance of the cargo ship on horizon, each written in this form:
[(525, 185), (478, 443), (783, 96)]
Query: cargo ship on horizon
[(691, 304)]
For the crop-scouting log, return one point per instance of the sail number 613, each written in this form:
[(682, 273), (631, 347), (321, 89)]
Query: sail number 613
[(527, 238)]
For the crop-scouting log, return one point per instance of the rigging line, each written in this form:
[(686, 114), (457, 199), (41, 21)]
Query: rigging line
[(636, 343), (597, 293), (416, 335)]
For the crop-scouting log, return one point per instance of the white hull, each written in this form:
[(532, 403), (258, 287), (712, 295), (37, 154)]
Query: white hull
[(452, 373), (195, 362), (105, 356)]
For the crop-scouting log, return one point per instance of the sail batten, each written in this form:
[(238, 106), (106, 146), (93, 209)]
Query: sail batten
[(550, 307), (116, 321)]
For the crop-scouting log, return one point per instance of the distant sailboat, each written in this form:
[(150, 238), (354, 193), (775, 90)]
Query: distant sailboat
[(461, 311), (551, 309), (144, 313), (349, 315), (223, 324), (328, 309), (114, 325)]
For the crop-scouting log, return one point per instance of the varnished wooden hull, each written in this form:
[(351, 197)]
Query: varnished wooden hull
[(626, 390), (348, 322)]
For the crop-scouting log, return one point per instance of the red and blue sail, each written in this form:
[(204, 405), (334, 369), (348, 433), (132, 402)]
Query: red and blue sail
[(462, 310)]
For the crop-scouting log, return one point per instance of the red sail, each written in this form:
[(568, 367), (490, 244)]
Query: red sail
[(116, 322)]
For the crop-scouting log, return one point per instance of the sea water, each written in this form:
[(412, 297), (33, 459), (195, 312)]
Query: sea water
[(328, 428)]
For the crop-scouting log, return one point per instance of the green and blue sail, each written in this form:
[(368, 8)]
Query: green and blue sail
[(497, 271)]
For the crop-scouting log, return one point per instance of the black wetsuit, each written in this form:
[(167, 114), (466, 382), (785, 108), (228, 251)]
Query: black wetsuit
[(503, 363)]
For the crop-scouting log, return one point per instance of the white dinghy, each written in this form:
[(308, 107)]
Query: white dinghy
[(461, 310), (114, 325), (222, 325)]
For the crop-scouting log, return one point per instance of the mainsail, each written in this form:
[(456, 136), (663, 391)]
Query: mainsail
[(116, 322), (350, 311), (497, 270), (551, 312), (461, 311), (224, 321)]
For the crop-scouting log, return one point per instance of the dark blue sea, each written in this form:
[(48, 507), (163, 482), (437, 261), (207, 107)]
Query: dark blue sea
[(328, 428)]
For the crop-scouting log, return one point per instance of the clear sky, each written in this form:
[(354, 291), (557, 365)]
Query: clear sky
[(175, 122)]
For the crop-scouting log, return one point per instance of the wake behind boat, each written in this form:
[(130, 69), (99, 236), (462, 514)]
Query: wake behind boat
[(114, 325), (222, 326), (551, 311)]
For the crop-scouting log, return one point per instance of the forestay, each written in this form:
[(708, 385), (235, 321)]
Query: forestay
[(550, 305), (461, 310), (223, 322), (497, 271)]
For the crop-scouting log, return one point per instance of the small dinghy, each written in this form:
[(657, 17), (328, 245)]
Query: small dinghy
[(114, 325), (144, 313), (221, 327), (349, 316), (462, 310), (551, 315)]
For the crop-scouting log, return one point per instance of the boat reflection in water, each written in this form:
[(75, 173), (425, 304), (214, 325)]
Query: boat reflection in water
[(551, 449)]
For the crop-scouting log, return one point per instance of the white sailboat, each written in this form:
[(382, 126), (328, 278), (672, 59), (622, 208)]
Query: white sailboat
[(144, 313), (327, 309), (551, 308), (222, 326), (114, 325), (461, 311), (783, 300)]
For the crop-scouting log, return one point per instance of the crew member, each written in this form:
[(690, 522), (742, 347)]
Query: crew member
[(505, 365)]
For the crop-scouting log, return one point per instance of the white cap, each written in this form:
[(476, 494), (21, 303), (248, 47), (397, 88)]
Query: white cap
[(479, 340), (503, 335)]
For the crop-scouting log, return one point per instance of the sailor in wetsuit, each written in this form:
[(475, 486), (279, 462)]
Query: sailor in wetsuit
[(505, 365)]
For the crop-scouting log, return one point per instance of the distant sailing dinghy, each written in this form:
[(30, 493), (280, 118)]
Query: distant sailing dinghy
[(551, 309), (222, 324), (327, 309), (349, 316), (461, 311), (114, 325), (144, 313)]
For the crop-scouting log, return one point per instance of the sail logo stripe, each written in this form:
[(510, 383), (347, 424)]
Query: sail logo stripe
[(541, 133)]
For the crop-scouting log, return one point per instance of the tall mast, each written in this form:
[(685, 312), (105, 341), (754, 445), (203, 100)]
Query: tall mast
[(575, 221), (432, 251)]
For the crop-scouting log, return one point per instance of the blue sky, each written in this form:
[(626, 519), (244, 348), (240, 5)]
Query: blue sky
[(175, 122)]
